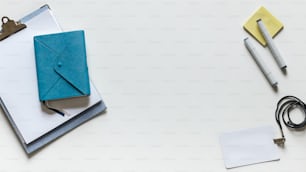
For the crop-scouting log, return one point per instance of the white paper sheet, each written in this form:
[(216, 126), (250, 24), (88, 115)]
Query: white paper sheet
[(248, 146), (18, 87)]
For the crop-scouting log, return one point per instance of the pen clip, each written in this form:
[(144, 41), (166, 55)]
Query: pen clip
[(10, 27)]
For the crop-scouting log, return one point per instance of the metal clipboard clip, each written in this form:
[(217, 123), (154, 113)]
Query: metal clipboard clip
[(10, 27)]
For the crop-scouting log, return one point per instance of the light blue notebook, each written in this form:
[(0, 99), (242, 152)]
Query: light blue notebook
[(61, 65)]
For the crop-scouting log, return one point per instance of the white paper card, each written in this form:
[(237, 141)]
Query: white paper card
[(248, 146)]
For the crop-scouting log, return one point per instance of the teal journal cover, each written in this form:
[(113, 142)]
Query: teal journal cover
[(61, 65)]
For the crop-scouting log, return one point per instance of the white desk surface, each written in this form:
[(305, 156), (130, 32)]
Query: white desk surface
[(173, 74)]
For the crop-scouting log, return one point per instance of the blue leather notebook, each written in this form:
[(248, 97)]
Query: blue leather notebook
[(61, 65)]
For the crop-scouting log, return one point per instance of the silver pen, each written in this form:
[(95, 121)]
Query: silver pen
[(260, 62), (274, 51)]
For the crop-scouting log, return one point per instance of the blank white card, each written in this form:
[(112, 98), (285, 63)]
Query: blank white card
[(248, 146)]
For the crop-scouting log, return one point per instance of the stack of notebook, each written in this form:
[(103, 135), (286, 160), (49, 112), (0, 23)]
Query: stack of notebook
[(22, 89)]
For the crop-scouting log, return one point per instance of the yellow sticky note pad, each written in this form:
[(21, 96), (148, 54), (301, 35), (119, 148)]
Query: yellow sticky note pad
[(273, 25)]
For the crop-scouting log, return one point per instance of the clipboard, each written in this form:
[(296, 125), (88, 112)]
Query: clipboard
[(34, 125)]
